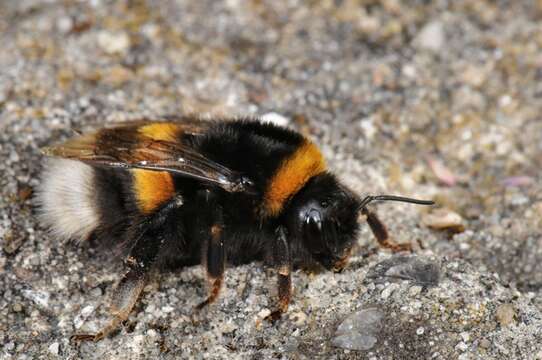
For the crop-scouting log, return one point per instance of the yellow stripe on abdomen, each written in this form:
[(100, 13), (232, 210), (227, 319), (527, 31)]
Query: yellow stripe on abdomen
[(294, 172), (152, 189)]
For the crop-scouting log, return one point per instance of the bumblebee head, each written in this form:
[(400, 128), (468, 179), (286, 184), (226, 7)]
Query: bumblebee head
[(324, 216)]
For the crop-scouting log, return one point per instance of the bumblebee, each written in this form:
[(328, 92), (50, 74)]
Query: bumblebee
[(180, 192)]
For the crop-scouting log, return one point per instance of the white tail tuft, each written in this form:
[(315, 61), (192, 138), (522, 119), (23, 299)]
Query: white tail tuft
[(67, 200)]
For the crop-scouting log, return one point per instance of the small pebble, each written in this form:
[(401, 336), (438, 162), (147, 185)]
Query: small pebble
[(96, 292), (485, 343), (461, 346), (228, 327), (415, 290), (40, 298), (64, 24), (82, 316), (86, 311), (505, 314), (264, 313), (400, 268), (299, 318), (420, 331), (113, 43), (54, 348), (444, 219), (431, 37)]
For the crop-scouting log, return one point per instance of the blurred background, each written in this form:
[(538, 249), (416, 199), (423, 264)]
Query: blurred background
[(432, 99)]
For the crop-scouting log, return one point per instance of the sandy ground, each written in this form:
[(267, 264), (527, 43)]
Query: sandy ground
[(438, 100)]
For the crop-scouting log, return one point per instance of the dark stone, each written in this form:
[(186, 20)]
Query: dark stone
[(421, 271)]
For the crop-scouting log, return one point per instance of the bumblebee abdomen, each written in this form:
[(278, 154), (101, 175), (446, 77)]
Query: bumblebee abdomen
[(75, 199), (152, 189)]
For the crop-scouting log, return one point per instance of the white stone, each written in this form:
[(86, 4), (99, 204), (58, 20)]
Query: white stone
[(64, 24), (54, 348), (461, 346), (431, 37), (114, 43)]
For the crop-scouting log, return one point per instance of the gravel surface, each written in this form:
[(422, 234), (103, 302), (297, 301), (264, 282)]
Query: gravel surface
[(437, 100)]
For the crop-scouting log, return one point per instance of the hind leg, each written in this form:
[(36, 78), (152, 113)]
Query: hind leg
[(131, 285), (151, 235)]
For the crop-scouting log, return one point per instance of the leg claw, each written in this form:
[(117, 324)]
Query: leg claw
[(395, 247)]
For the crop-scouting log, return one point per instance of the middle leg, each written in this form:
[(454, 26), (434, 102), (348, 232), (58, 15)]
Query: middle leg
[(215, 263), (214, 254)]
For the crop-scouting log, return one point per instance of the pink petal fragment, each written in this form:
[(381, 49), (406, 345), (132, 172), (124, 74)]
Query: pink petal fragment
[(442, 173), (517, 181)]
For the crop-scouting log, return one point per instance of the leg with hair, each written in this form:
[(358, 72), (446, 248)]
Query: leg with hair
[(213, 255), (283, 263), (215, 263), (130, 286), (381, 233), (151, 235)]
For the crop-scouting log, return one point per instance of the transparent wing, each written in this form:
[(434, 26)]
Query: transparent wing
[(136, 146)]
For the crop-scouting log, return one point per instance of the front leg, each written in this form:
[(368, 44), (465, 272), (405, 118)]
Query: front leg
[(283, 264), (381, 233), (213, 255)]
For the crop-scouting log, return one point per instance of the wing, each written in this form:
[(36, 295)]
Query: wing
[(153, 146)]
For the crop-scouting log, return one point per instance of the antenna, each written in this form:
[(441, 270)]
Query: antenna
[(372, 198)]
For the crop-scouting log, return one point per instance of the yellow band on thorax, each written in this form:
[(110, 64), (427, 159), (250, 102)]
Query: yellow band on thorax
[(160, 131), (294, 172)]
